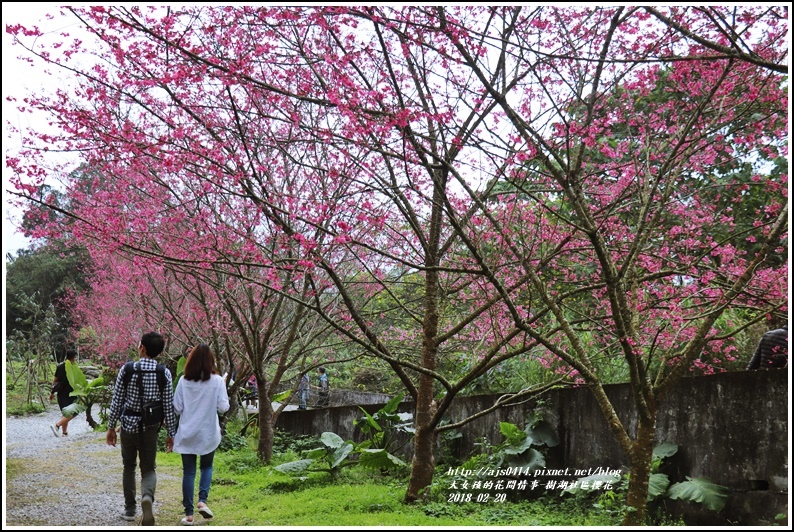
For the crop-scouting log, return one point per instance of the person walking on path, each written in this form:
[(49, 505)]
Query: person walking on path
[(323, 388), (61, 386), (138, 385), (199, 397), (303, 391)]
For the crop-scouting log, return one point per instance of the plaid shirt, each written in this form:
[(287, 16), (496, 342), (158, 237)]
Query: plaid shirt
[(127, 398)]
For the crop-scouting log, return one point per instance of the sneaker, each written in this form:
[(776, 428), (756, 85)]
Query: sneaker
[(128, 517), (204, 510), (54, 429), (146, 507), (187, 520)]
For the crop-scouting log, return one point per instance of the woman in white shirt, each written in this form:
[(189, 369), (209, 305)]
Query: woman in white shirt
[(200, 395)]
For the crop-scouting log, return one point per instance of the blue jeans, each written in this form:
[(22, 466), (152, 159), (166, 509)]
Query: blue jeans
[(189, 479), (304, 396)]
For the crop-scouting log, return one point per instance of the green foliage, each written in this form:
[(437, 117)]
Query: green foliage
[(525, 448), (284, 442), (699, 490), (335, 454), (231, 442), (180, 370), (249, 494), (242, 462), (383, 427), (36, 282), (86, 393)]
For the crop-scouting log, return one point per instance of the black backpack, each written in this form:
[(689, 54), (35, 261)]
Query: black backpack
[(153, 412)]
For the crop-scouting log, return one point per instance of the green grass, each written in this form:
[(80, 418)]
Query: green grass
[(246, 493)]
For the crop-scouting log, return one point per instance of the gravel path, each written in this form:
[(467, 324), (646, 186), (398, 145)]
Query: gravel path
[(73, 480)]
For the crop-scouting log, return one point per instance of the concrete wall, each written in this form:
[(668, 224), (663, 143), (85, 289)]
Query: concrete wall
[(731, 428)]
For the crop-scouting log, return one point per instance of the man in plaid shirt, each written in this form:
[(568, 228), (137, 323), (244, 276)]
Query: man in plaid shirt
[(137, 440)]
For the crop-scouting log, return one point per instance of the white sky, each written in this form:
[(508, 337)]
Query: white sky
[(17, 79)]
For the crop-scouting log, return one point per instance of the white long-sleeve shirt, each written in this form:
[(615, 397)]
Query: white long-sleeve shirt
[(197, 404)]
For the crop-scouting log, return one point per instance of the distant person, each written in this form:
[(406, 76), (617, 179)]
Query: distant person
[(139, 384), (772, 350), (61, 386), (303, 391), (323, 388), (251, 392), (199, 397)]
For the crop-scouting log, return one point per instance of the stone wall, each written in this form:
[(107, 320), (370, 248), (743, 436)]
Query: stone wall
[(731, 428)]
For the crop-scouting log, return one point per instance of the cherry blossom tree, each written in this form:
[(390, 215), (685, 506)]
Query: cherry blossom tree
[(559, 183)]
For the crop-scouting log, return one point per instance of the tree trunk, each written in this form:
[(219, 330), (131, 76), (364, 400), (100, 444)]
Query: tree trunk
[(424, 461), (265, 444), (89, 418), (641, 455), (425, 437)]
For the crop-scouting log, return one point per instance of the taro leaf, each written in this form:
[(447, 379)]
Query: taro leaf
[(531, 459), (367, 423), (657, 485), (392, 405), (512, 433), (316, 454), (702, 490), (543, 432), (98, 382), (518, 447), (180, 370), (298, 466), (331, 440), (379, 459), (76, 377), (664, 450), (73, 409), (340, 454)]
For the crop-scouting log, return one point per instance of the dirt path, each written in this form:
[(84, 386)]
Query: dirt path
[(73, 480)]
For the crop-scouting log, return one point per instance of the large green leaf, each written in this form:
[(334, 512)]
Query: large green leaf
[(281, 397), (379, 459), (180, 370), (75, 376), (298, 466), (392, 405), (97, 383), (702, 490), (532, 459), (543, 432), (331, 440), (367, 423), (518, 447), (664, 450), (340, 454), (73, 409), (657, 485), (318, 453), (512, 433)]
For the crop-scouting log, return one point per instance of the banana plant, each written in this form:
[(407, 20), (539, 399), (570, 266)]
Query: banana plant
[(86, 392)]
